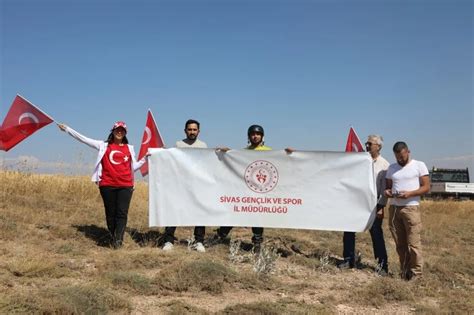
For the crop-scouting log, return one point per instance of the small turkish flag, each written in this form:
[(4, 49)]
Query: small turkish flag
[(22, 120), (151, 139), (353, 143)]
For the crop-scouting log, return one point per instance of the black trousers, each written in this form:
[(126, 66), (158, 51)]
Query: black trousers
[(116, 203), (199, 232), (378, 243), (257, 237)]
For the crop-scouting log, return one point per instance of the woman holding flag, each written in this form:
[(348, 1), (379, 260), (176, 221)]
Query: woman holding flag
[(113, 173)]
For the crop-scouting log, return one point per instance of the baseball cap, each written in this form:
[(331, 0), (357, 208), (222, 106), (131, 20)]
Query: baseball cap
[(119, 124)]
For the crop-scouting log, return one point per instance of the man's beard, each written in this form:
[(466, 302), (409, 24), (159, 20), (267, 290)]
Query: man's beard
[(402, 163)]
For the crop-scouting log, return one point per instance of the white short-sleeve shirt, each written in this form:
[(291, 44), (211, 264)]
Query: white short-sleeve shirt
[(406, 178)]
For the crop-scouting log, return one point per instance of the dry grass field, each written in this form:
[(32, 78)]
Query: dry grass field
[(54, 258)]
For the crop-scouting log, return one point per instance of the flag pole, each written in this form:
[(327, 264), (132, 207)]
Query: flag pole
[(356, 134), (154, 121)]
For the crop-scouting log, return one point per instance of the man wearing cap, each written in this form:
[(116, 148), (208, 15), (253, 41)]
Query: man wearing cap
[(255, 136)]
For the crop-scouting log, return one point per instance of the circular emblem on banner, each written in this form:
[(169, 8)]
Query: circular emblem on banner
[(261, 176)]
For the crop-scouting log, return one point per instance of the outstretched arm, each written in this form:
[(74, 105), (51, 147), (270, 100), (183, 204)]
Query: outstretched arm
[(95, 144)]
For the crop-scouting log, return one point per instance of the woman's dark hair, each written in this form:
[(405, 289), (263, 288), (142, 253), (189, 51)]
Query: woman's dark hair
[(110, 139)]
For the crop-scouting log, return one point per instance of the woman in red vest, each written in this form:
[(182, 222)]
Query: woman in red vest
[(113, 173)]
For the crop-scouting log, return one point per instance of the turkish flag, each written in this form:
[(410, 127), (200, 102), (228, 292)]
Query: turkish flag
[(22, 120), (2, 147), (151, 139), (353, 142)]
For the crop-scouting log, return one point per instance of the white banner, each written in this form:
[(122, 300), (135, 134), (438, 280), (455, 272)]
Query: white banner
[(303, 190)]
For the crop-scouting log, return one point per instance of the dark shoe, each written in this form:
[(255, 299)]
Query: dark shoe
[(117, 244), (381, 269), (218, 239), (383, 273), (346, 264), (411, 276)]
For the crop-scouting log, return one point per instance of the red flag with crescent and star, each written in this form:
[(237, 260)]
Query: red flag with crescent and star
[(151, 139), (353, 143), (22, 120)]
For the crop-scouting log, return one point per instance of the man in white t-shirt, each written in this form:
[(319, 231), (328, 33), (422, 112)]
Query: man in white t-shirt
[(191, 129), (406, 181)]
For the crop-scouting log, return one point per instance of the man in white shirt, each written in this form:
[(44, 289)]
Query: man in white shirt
[(373, 146), (191, 129), (406, 181)]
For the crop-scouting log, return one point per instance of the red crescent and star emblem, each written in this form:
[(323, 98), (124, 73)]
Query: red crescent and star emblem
[(261, 176), (24, 121), (122, 157)]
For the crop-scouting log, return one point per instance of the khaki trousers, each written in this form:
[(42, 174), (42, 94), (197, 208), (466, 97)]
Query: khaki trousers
[(405, 226)]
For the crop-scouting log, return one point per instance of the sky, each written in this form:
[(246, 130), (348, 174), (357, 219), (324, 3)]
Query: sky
[(305, 70)]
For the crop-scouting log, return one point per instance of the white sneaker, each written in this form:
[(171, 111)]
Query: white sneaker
[(168, 246), (199, 247)]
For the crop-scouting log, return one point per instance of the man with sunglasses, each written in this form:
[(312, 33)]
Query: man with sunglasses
[(373, 146)]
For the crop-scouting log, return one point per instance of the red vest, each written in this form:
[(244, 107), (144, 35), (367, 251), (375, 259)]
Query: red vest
[(117, 167)]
